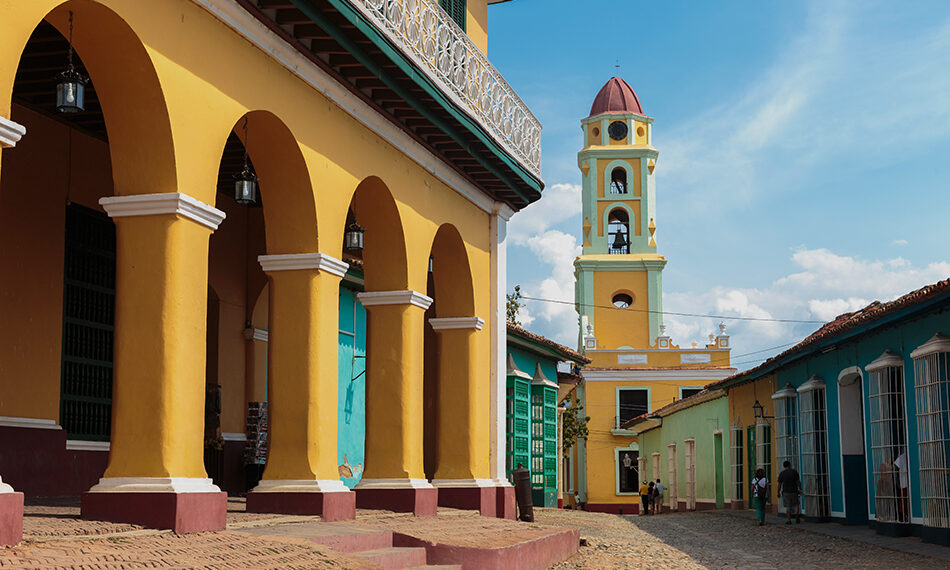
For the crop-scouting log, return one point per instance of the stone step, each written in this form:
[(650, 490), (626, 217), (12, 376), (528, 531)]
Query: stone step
[(339, 537), (396, 558), (438, 567)]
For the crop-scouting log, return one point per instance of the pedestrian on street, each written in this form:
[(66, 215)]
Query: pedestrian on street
[(645, 498), (658, 497), (650, 509), (760, 494), (790, 485)]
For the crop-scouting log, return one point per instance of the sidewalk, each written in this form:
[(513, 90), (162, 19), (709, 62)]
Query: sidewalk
[(858, 533)]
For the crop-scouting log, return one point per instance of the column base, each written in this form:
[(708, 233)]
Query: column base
[(333, 506), (505, 502), (180, 512), (472, 498), (421, 501), (11, 518)]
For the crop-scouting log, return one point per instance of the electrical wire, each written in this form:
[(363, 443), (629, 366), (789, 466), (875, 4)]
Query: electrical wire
[(677, 314)]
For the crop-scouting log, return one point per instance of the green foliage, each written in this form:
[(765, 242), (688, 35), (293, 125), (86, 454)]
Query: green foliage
[(574, 427), (513, 306)]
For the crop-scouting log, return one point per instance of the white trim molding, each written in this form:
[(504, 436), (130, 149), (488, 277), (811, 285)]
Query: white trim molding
[(887, 359), (394, 484), (408, 297), (294, 261), (31, 423), (937, 343), (462, 483), (301, 486), (233, 436), (457, 323), (705, 375), (10, 132), (81, 445), (256, 334), (4, 488), (164, 203), (154, 485), (250, 28)]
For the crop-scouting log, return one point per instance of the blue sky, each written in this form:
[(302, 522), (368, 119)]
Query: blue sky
[(804, 152)]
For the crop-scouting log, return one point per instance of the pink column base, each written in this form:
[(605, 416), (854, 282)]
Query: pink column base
[(420, 502), (339, 506), (481, 499), (11, 518), (505, 503), (180, 512)]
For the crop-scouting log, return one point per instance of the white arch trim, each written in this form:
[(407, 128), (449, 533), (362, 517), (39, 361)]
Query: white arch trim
[(10, 132)]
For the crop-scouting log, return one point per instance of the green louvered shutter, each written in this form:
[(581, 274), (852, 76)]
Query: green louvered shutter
[(456, 10)]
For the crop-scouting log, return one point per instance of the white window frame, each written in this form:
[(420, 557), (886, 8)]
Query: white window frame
[(813, 429), (690, 473), (887, 401), (785, 403), (681, 388), (649, 409), (617, 450), (671, 470), (932, 392), (737, 456)]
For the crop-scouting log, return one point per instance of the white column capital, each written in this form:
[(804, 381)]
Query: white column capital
[(457, 323), (408, 297), (10, 132), (256, 334), (165, 203), (502, 210), (295, 261)]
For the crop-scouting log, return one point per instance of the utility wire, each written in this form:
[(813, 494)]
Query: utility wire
[(723, 317)]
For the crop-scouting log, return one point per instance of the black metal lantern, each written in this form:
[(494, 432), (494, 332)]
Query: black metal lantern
[(757, 409), (245, 182), (353, 237), (70, 84)]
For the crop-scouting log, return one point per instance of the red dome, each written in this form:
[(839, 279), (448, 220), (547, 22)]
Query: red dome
[(616, 97)]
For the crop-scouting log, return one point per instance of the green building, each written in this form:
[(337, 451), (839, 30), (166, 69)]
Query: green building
[(682, 444), (532, 419)]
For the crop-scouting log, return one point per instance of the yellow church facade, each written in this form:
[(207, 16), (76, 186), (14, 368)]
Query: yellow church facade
[(379, 123), (635, 366)]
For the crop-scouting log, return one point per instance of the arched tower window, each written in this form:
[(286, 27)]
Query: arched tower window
[(618, 181), (618, 231)]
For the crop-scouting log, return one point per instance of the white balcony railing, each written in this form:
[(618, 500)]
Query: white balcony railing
[(436, 44)]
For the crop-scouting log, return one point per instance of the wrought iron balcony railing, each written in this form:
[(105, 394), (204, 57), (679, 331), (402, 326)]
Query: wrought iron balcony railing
[(439, 47)]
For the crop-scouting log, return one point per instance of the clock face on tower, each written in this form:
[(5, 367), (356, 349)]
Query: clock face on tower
[(617, 130)]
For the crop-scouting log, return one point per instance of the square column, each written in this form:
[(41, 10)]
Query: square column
[(11, 515), (301, 475), (498, 228), (156, 474), (394, 477), (463, 476)]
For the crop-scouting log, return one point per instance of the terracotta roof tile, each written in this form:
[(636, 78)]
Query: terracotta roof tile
[(564, 351)]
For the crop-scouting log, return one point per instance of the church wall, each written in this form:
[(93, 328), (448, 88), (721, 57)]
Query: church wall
[(617, 327)]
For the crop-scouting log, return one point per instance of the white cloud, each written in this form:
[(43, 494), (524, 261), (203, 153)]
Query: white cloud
[(900, 242), (560, 203), (558, 321), (823, 285)]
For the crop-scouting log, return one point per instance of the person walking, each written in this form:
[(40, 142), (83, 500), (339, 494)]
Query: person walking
[(658, 490), (790, 485), (645, 498), (650, 509), (760, 493)]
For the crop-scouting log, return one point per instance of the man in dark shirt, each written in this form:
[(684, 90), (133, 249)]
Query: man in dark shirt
[(790, 485)]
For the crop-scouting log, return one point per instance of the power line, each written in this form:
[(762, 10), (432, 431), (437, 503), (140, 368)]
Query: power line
[(723, 317)]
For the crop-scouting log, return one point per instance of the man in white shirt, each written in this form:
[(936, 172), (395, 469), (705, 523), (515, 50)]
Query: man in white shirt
[(658, 490), (901, 464)]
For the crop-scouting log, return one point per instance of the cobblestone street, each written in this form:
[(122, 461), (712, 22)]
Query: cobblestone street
[(723, 539)]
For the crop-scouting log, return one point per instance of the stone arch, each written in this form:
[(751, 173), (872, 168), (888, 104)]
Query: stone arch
[(452, 274), (384, 251)]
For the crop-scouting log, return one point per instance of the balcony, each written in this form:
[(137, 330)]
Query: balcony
[(411, 62)]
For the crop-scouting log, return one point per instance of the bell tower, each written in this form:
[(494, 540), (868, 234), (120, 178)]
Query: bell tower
[(618, 292)]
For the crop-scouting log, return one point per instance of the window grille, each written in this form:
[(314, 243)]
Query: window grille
[(671, 482), (786, 429), (618, 181), (888, 437), (88, 325), (735, 451), (690, 474), (456, 10), (763, 447), (932, 385), (814, 447)]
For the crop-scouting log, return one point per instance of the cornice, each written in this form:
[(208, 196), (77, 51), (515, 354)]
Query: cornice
[(160, 204), (10, 132), (457, 323), (296, 261), (408, 297)]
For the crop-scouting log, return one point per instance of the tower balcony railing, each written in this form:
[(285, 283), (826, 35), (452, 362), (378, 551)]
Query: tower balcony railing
[(444, 52)]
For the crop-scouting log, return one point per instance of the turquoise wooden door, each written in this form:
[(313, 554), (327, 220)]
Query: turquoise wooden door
[(750, 455), (351, 423)]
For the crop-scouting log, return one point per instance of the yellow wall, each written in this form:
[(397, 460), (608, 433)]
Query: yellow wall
[(633, 186), (476, 25), (741, 399), (615, 327)]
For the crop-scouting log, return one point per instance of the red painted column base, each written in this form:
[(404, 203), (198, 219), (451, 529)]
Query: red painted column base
[(420, 502), (481, 499), (11, 518), (505, 503), (339, 506), (180, 512)]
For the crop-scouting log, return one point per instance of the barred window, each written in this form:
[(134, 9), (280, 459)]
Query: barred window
[(690, 474), (763, 447), (671, 465), (932, 385), (814, 443), (735, 441), (888, 437)]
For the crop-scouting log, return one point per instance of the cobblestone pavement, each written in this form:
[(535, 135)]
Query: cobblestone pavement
[(716, 540)]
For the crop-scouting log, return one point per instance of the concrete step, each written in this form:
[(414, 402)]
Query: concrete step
[(339, 537), (396, 558), (438, 567)]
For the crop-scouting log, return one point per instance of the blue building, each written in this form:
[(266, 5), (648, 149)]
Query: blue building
[(862, 409)]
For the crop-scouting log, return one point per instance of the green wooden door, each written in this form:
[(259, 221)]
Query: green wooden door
[(750, 455), (720, 490)]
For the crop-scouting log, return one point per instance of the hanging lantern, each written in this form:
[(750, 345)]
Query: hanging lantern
[(70, 84), (353, 237), (245, 182), (758, 410)]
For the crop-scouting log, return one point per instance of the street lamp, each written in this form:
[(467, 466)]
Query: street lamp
[(758, 410), (245, 182), (353, 237)]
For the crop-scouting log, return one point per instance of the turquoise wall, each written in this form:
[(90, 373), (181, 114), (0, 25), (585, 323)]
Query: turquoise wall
[(351, 430), (697, 422)]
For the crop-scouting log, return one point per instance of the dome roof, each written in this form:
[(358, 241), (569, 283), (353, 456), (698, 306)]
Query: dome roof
[(616, 96)]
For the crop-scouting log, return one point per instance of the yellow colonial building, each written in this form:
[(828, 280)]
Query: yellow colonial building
[(635, 366), (190, 193)]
